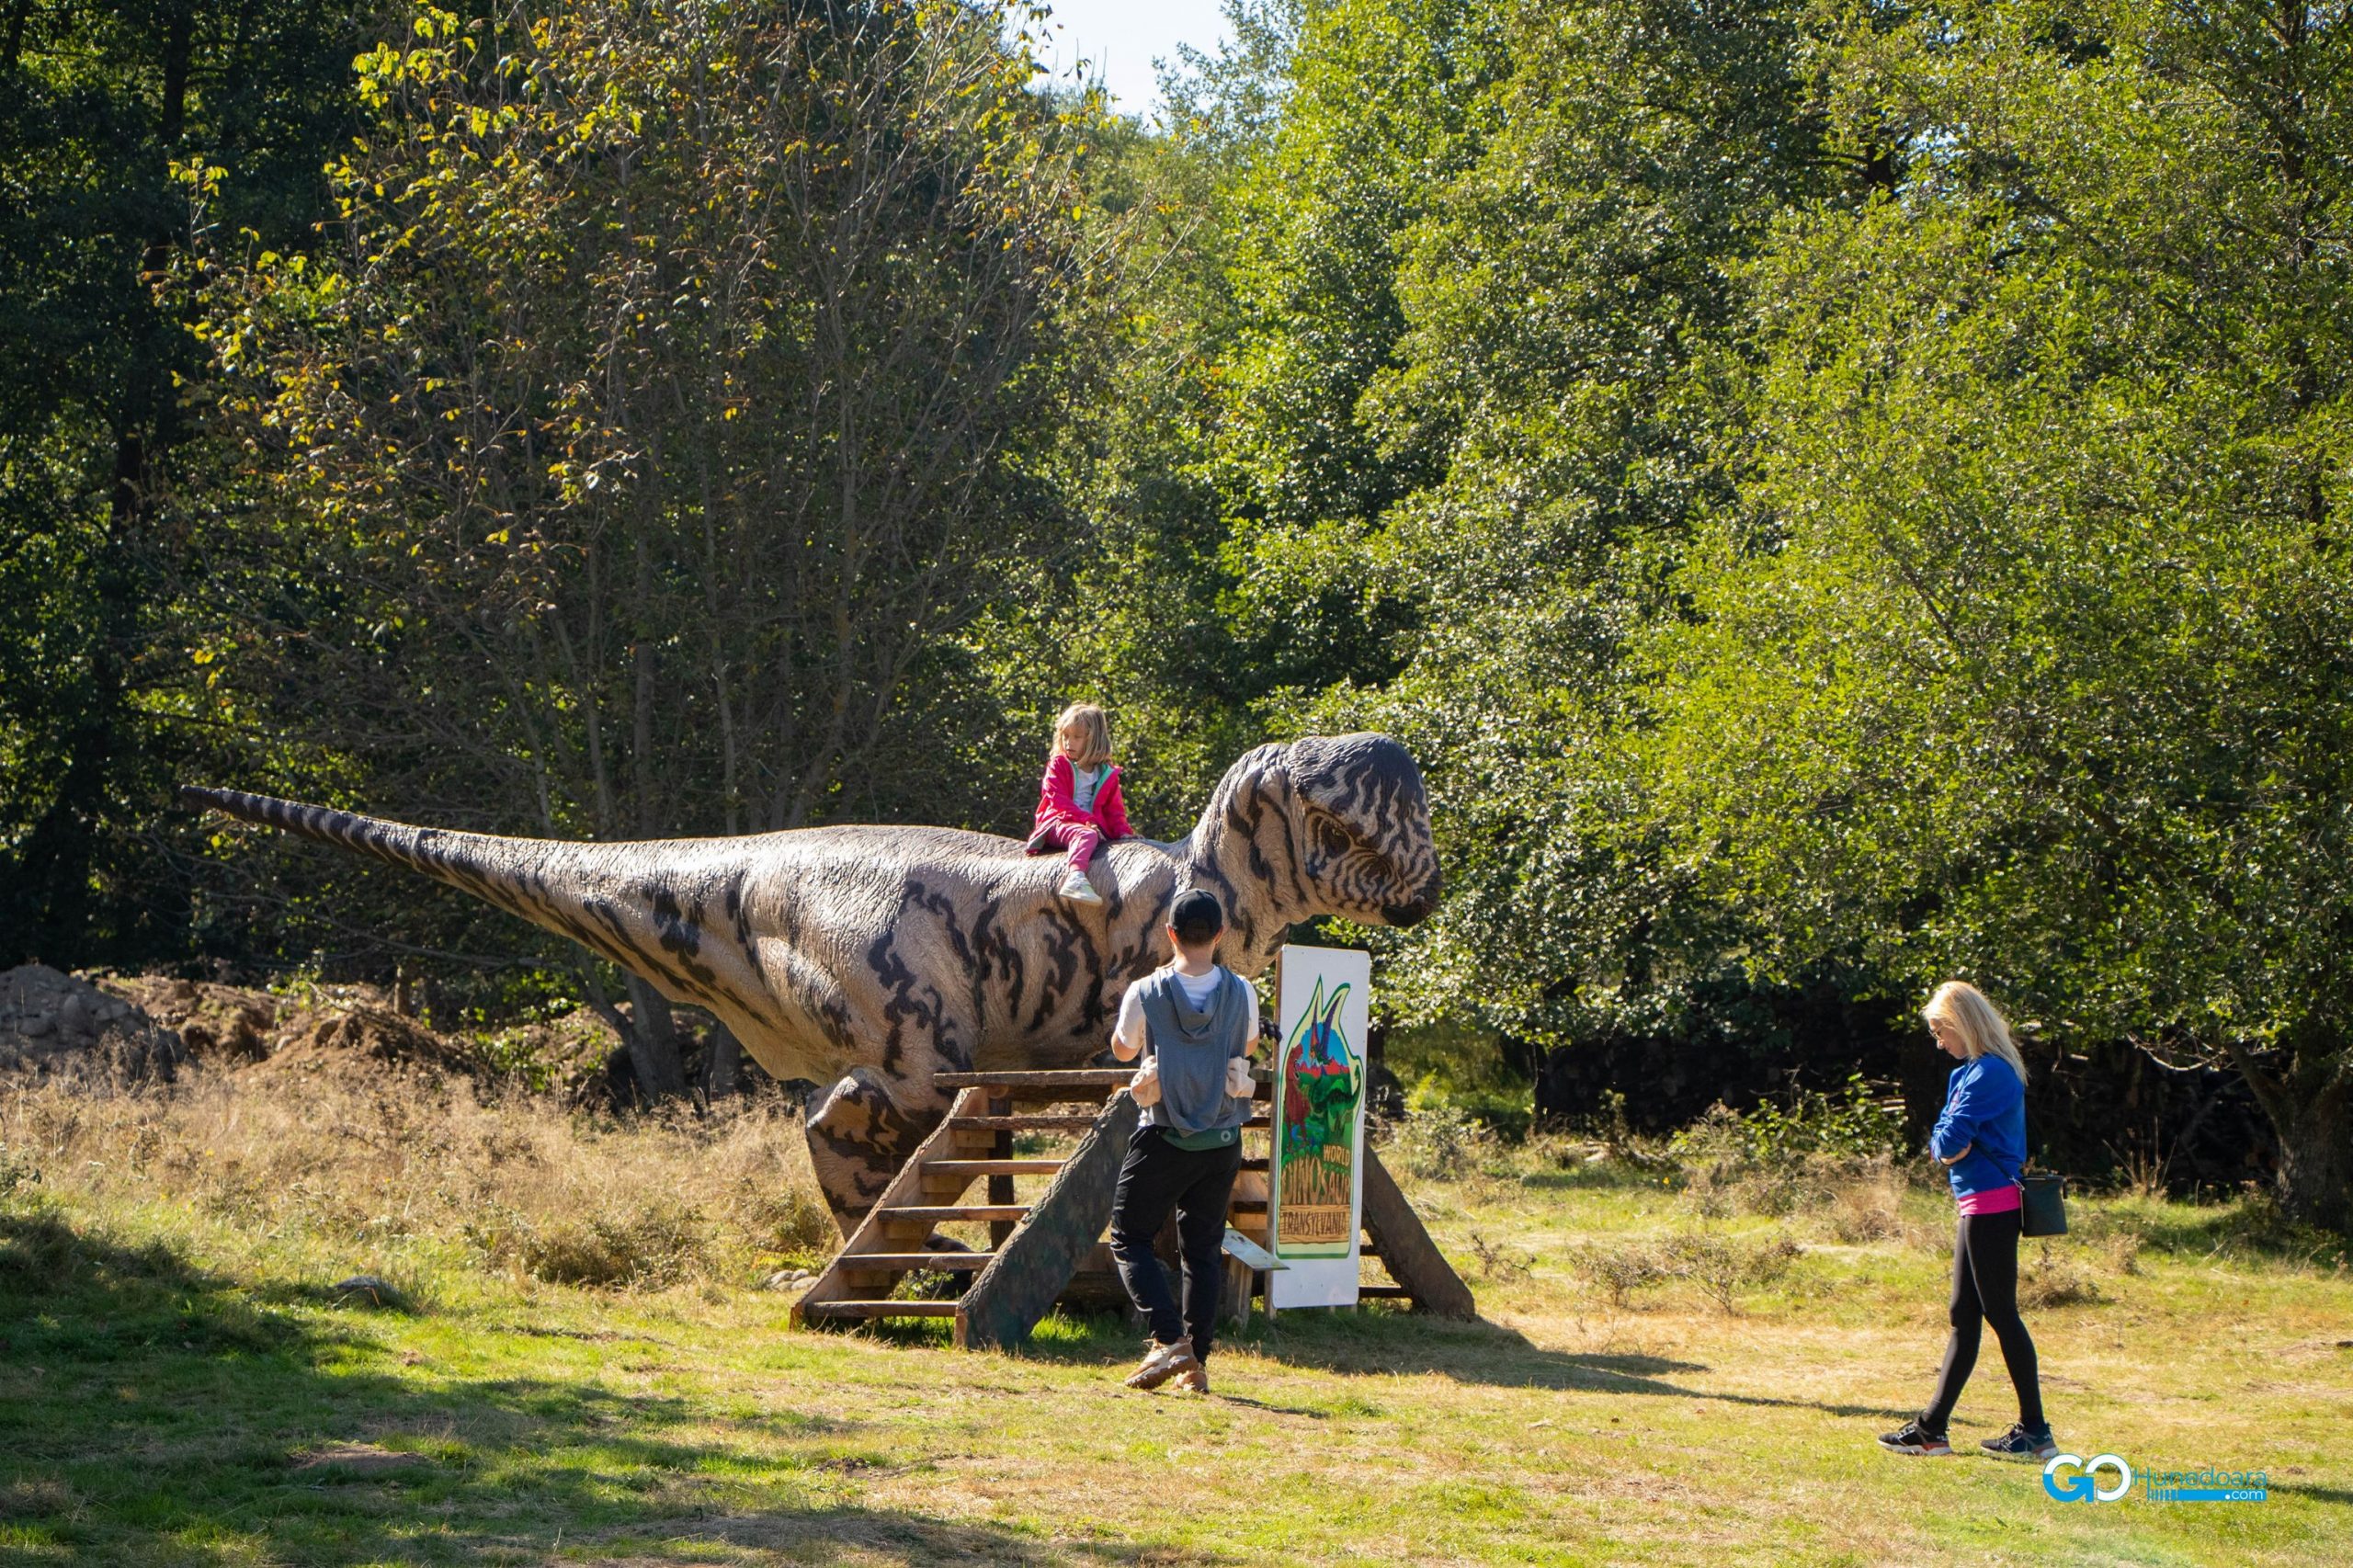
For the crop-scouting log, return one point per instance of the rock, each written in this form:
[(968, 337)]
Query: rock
[(57, 1025), (787, 1279), (366, 1290)]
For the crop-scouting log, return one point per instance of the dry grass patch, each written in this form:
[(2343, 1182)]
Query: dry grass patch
[(559, 1194)]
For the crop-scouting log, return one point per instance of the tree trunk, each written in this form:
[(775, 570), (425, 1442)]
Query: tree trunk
[(722, 1064), (653, 1040), (2316, 1158)]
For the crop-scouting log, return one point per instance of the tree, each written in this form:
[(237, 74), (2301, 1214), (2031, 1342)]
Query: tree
[(1560, 274), (664, 409), (2029, 655), (100, 494)]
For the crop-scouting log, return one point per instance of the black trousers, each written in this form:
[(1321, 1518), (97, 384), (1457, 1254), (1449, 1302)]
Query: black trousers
[(1197, 1183), (1986, 1290)]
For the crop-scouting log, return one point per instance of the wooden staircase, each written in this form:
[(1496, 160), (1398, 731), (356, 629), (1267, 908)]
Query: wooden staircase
[(1049, 1249)]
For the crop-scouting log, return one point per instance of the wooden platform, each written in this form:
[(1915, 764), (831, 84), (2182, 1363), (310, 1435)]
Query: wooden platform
[(1050, 1249)]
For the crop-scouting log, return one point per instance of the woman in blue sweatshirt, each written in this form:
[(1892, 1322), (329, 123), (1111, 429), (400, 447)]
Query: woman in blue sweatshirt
[(1981, 1140)]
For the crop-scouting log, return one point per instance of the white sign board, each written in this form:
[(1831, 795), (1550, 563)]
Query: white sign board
[(1323, 1007)]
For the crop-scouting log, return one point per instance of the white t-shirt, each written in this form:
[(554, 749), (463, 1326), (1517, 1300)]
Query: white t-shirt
[(1198, 989)]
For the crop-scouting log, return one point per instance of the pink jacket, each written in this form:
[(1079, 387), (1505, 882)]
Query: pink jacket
[(1057, 805)]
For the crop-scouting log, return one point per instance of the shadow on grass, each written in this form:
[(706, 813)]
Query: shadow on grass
[(1380, 1340), (2341, 1496), (2247, 1228), (151, 1412)]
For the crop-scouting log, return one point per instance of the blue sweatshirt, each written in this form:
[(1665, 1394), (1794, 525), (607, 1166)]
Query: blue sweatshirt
[(1984, 1106)]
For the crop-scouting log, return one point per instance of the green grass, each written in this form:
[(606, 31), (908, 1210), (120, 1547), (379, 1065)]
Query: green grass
[(170, 1376)]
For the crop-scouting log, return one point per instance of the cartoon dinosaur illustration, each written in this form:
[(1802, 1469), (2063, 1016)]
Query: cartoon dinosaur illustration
[(1320, 1080), (870, 958)]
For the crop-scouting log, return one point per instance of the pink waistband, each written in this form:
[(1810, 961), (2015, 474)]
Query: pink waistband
[(2000, 1201)]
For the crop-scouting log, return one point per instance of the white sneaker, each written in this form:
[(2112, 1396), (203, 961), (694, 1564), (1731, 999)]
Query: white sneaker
[(1078, 890), (1162, 1362)]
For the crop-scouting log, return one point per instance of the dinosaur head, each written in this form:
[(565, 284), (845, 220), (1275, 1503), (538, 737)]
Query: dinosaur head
[(1363, 825)]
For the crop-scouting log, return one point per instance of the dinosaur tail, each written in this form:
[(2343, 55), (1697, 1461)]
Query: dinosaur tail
[(650, 907)]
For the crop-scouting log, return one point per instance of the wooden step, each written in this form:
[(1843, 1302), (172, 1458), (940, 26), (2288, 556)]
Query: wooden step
[(993, 1167), (914, 1262), (873, 1235), (879, 1308), (1034, 1123), (1104, 1078), (939, 1214)]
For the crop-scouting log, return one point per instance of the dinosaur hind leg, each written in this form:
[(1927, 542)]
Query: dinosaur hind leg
[(857, 1140)]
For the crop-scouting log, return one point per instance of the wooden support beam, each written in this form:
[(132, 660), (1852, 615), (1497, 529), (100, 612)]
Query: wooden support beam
[(920, 1262), (1035, 1263), (995, 1167), (877, 1310), (1405, 1248), (1001, 1183), (1103, 1080), (941, 1213), (1028, 1122)]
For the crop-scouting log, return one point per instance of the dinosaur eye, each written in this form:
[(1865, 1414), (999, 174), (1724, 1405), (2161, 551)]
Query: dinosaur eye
[(1331, 838)]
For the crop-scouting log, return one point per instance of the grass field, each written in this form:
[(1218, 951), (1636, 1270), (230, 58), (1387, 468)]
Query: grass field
[(179, 1384)]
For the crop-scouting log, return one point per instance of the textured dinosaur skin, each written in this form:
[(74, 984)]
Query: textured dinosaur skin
[(871, 958)]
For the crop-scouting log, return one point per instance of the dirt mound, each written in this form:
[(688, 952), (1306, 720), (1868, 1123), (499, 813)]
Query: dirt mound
[(342, 1038), (139, 1027), (219, 1024), (58, 1024), (325, 1028)]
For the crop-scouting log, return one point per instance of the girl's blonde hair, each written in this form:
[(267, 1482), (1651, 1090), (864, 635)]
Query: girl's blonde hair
[(1094, 734), (1981, 1030)]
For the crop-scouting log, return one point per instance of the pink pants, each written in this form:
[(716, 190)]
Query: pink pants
[(1080, 841)]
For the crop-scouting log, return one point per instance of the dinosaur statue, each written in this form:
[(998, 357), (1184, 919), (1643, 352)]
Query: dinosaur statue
[(871, 958)]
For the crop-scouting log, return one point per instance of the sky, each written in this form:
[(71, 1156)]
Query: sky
[(1122, 36)]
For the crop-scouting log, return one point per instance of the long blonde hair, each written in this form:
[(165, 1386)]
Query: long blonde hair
[(1981, 1030), (1095, 734)]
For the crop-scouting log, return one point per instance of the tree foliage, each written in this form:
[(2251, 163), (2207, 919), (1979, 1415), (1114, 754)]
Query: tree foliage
[(2027, 652), (105, 494), (1834, 494)]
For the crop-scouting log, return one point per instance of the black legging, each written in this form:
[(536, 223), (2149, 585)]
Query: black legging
[(1986, 1290)]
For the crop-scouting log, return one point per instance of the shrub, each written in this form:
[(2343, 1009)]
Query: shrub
[(787, 1218), (1497, 1262), (1779, 1159), (2057, 1280), (1439, 1142), (1869, 1207), (1723, 1267), (1619, 1270), (657, 1243), (16, 1171), (1852, 1125)]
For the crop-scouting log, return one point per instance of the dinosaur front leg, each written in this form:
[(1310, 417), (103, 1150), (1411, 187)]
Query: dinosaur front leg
[(861, 1135)]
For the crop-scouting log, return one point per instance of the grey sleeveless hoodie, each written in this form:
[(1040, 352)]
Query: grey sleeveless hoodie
[(1193, 1045)]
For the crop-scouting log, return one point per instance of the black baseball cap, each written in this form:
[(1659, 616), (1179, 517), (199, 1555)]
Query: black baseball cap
[(1198, 916)]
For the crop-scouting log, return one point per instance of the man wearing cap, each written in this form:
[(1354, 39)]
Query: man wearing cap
[(1193, 1023)]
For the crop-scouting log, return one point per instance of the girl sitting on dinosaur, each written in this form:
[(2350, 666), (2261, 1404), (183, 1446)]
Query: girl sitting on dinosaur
[(1078, 804)]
